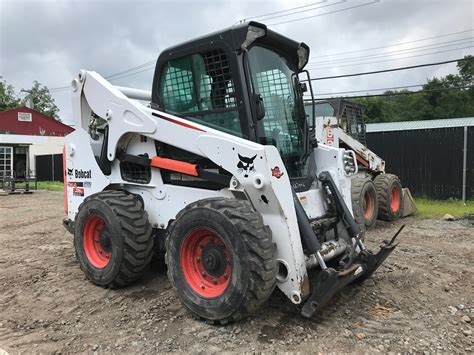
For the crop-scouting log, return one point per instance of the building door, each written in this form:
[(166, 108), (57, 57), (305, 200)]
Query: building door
[(20, 162), (6, 162)]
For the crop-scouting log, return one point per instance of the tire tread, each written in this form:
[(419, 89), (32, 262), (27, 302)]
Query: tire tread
[(262, 251)]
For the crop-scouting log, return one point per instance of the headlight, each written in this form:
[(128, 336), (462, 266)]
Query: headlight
[(349, 162)]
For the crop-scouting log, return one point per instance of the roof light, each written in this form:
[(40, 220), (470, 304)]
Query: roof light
[(253, 33), (303, 55)]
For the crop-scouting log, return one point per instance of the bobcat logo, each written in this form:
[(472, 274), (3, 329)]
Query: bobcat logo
[(245, 165), (70, 172)]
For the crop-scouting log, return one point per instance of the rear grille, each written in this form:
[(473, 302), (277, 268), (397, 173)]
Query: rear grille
[(135, 173)]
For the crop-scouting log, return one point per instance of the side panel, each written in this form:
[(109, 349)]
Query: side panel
[(330, 159), (83, 175)]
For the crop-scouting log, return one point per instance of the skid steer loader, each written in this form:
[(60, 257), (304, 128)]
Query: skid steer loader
[(232, 190), (379, 195)]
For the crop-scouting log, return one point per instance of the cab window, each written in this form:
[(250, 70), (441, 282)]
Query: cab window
[(201, 88)]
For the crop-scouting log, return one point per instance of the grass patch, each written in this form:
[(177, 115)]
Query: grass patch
[(50, 185), (426, 208)]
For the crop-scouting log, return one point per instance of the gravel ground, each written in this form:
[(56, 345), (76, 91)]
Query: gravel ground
[(421, 299)]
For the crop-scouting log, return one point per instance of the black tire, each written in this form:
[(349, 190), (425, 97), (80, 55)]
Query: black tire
[(390, 195), (125, 236), (249, 252), (364, 196)]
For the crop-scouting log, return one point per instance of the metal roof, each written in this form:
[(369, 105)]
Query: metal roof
[(426, 124)]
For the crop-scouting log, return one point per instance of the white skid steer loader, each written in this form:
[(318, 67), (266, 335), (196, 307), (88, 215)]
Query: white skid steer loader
[(231, 189)]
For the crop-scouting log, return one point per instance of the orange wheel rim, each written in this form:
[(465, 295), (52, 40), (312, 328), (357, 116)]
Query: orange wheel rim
[(97, 246), (395, 199), (205, 262), (369, 205)]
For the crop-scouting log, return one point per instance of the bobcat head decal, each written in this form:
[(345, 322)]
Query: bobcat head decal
[(245, 164)]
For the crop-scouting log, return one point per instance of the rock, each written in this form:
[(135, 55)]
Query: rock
[(448, 217), (460, 306), (466, 319), (467, 332), (452, 310), (94, 347), (360, 336), (446, 288)]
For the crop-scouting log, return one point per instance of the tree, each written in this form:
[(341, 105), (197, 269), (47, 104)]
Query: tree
[(8, 99), (466, 70), (440, 99), (42, 100)]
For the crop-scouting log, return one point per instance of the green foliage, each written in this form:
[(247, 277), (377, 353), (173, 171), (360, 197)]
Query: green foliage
[(8, 99), (426, 208), (39, 94), (42, 100), (428, 105), (51, 185)]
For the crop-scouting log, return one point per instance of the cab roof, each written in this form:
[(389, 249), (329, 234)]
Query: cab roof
[(234, 37)]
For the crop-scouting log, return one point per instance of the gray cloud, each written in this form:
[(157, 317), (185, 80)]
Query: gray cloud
[(50, 41)]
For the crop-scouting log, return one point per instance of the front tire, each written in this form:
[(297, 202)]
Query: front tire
[(112, 238), (364, 196), (221, 259), (390, 195)]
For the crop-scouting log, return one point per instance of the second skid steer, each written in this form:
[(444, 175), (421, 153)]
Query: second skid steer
[(219, 174)]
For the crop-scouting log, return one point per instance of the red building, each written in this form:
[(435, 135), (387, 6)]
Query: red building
[(26, 121), (24, 135)]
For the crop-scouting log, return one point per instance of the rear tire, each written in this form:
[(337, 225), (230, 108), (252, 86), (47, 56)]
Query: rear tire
[(221, 259), (112, 238), (364, 196), (390, 195)]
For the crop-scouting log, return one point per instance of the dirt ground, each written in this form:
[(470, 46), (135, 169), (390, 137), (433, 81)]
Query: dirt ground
[(421, 299)]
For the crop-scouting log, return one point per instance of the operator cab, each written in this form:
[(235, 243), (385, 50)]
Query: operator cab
[(242, 81)]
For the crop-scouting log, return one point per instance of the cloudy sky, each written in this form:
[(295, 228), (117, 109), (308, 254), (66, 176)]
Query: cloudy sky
[(50, 41)]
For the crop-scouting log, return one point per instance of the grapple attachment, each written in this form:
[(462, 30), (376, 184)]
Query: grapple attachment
[(330, 281)]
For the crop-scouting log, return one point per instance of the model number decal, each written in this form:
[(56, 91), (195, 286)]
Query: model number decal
[(85, 184)]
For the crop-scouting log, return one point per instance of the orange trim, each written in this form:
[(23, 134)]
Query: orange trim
[(362, 161), (187, 125), (174, 165), (65, 203)]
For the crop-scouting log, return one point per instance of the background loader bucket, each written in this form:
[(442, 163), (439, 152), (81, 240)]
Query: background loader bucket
[(409, 206)]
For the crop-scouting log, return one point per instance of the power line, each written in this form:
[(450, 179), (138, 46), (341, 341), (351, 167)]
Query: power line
[(389, 70), (388, 60), (384, 89), (279, 12), (137, 72), (131, 69), (396, 93), (301, 11), (397, 44), (325, 13), (407, 50), (116, 76)]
